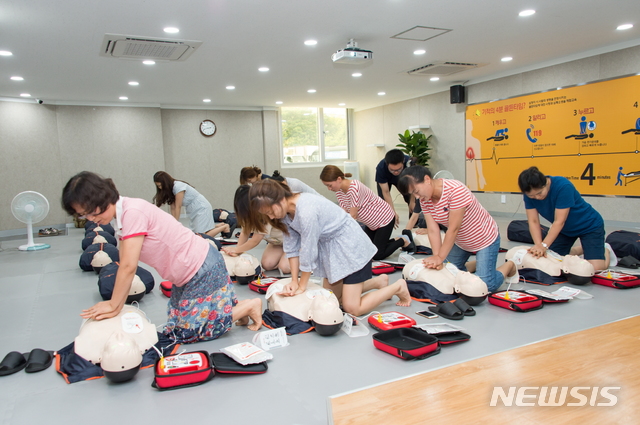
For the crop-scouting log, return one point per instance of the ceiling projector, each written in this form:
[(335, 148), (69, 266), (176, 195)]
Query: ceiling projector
[(352, 54)]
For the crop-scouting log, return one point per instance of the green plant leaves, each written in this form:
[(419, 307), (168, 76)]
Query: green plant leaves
[(415, 145)]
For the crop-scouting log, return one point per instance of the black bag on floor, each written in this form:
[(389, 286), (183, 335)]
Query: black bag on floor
[(625, 243), (518, 231)]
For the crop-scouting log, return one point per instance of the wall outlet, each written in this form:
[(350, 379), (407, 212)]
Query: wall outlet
[(503, 199)]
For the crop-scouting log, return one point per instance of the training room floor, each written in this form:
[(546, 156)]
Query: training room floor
[(43, 292)]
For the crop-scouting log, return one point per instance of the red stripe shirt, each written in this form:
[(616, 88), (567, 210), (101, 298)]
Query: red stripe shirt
[(478, 229), (373, 211)]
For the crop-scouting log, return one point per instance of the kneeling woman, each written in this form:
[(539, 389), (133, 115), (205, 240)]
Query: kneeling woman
[(320, 237), (367, 208), (203, 303), (470, 227), (273, 256)]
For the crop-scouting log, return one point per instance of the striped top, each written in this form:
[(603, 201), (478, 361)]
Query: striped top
[(478, 229), (373, 211)]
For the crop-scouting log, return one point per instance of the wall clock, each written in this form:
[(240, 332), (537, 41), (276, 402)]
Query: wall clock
[(208, 128)]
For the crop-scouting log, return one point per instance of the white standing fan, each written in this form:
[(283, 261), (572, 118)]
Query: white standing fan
[(443, 174), (30, 207)]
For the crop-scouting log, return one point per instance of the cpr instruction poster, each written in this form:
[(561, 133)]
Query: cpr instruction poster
[(589, 134)]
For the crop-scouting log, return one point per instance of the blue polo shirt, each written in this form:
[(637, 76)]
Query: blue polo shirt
[(582, 219), (383, 175)]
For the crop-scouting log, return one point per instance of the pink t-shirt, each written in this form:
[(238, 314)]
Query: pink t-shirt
[(173, 250), (478, 229), (373, 211)]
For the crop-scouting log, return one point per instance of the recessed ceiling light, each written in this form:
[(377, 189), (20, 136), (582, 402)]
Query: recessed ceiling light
[(149, 62), (206, 100), (5, 53), (16, 78), (279, 102), (624, 27), (506, 59), (434, 78), (341, 104), (171, 30), (263, 69), (310, 42), (25, 95), (230, 87), (134, 83), (381, 93), (527, 12), (419, 52), (311, 91), (356, 74), (123, 98)]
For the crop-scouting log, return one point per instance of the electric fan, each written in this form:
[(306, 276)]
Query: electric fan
[(30, 207), (443, 174)]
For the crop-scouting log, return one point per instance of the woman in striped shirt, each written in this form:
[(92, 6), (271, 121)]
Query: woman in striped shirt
[(367, 208), (470, 227)]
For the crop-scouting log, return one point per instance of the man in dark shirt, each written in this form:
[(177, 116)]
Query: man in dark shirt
[(387, 172)]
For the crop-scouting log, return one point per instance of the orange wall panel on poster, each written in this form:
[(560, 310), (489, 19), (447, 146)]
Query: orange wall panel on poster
[(589, 134)]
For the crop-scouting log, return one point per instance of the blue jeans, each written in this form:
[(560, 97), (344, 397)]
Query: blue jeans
[(486, 260)]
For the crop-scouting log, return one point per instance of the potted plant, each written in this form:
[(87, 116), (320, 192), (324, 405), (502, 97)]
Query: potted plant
[(416, 145)]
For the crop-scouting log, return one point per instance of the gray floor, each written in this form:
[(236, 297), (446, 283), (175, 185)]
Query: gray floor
[(42, 293)]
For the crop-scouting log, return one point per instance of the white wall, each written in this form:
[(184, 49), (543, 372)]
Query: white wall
[(381, 125)]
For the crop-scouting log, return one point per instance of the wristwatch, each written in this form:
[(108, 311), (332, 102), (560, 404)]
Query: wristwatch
[(545, 245)]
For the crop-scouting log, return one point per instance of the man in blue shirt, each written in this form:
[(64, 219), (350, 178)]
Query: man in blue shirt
[(387, 173), (558, 201)]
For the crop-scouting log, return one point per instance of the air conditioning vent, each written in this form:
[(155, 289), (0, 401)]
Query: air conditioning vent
[(444, 68), (134, 47)]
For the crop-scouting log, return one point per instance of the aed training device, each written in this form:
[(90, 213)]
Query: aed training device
[(616, 279), (262, 284), (390, 320), (378, 267), (515, 301), (426, 313), (407, 344), (182, 370)]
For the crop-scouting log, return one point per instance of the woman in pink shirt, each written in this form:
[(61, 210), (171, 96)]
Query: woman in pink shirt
[(471, 229), (203, 303)]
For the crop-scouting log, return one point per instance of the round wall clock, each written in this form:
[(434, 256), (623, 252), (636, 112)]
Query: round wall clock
[(208, 128)]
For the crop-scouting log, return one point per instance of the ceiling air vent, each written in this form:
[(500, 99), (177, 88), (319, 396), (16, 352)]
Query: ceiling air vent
[(443, 68), (134, 47)]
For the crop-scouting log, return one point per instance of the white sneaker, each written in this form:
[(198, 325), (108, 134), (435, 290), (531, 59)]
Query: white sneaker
[(613, 258)]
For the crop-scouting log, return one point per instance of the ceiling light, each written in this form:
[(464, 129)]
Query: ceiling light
[(134, 83), (341, 104), (381, 93), (434, 78), (528, 12), (624, 27), (279, 102), (263, 69), (149, 62), (16, 78), (230, 87), (419, 52), (5, 53), (25, 95), (310, 42), (506, 59), (123, 98), (311, 91), (356, 74), (206, 100), (171, 30)]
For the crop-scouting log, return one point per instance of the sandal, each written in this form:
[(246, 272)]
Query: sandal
[(12, 363), (49, 231), (465, 308), (447, 310), (38, 360)]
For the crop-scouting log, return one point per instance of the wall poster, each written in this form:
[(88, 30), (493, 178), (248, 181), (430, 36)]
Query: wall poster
[(589, 134)]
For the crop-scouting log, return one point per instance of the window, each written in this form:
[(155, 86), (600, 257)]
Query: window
[(314, 135)]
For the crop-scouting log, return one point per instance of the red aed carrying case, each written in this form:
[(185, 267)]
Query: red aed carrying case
[(225, 364), (165, 288), (390, 320), (447, 338), (228, 241), (407, 343), (182, 370), (616, 280), (261, 285), (378, 267), (515, 301)]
